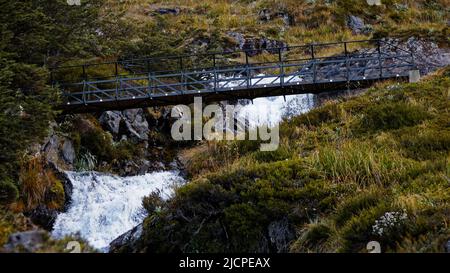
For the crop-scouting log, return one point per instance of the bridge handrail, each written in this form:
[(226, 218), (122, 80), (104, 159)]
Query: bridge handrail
[(254, 66), (175, 57)]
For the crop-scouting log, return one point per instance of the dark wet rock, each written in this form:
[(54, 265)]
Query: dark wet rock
[(43, 217), (281, 234), (139, 167), (163, 11), (67, 185), (127, 242), (28, 241)]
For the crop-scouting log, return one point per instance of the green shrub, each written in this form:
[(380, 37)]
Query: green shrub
[(246, 226), (8, 192), (282, 153), (98, 143), (391, 115), (425, 145), (152, 203), (355, 205), (55, 197), (360, 163), (313, 239), (328, 113), (357, 232)]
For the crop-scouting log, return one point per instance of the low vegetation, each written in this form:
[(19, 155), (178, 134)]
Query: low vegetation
[(369, 168)]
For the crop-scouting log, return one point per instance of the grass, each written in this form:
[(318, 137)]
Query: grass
[(137, 29), (40, 185)]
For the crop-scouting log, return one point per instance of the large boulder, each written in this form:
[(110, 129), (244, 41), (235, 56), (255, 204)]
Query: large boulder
[(59, 151), (136, 124), (127, 242), (281, 234), (126, 124), (28, 241), (357, 25), (68, 151), (43, 217), (110, 120)]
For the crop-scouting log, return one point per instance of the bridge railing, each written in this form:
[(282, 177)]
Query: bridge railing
[(241, 78), (289, 66)]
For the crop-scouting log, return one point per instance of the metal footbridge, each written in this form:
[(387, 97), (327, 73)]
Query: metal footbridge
[(231, 75)]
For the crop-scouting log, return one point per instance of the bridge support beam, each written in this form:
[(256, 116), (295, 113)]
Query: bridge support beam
[(414, 75)]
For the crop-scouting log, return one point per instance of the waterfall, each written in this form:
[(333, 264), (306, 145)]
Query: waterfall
[(104, 206)]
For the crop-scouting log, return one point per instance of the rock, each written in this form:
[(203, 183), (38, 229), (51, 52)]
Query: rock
[(356, 24), (162, 11), (50, 149), (401, 7), (110, 120), (447, 246), (374, 2), (43, 217), (266, 15), (58, 150), (427, 55), (139, 167), (28, 241), (281, 234), (68, 152), (67, 185), (127, 242), (129, 123), (136, 124), (255, 46)]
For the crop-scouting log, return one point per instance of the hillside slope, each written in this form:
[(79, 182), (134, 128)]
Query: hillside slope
[(369, 168)]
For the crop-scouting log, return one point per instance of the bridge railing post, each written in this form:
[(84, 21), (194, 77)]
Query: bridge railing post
[(380, 61), (347, 65), (117, 88), (84, 92), (214, 73), (150, 87), (183, 79), (314, 71), (247, 70), (280, 62)]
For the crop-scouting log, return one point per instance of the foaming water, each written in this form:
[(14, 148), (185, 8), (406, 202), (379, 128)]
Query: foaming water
[(104, 206), (271, 110)]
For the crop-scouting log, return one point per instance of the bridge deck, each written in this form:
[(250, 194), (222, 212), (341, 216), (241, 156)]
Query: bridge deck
[(142, 86)]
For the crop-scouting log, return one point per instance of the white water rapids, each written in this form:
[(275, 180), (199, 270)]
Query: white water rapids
[(104, 207)]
